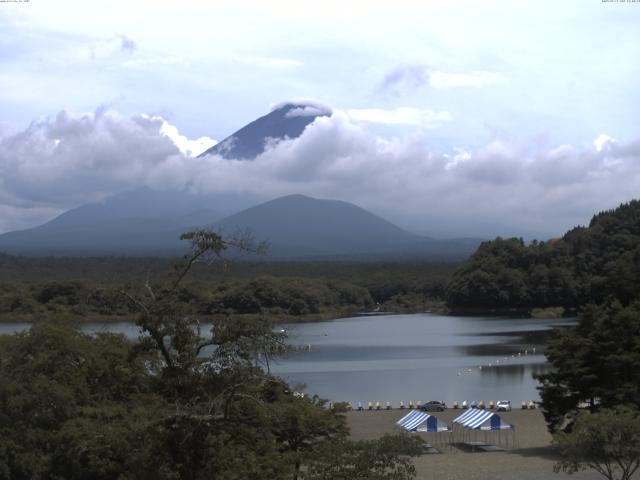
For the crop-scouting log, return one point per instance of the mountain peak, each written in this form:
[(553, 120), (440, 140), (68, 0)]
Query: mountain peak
[(302, 108), (286, 120)]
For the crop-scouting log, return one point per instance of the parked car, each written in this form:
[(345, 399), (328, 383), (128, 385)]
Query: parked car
[(473, 404), (433, 406), (503, 406)]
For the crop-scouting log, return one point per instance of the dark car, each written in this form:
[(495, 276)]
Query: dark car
[(433, 406)]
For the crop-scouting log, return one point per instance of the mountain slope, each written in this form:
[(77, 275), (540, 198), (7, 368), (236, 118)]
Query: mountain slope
[(297, 226), (139, 222), (288, 120)]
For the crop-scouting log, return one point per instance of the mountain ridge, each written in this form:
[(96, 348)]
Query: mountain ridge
[(296, 226)]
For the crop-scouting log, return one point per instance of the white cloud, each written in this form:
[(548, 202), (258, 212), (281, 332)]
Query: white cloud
[(271, 62), (412, 77), (306, 111), (119, 43), (400, 116), (153, 61), (438, 79), (602, 142), (190, 148), (304, 104)]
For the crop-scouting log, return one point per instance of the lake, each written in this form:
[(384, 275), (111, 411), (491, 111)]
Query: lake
[(419, 357), (406, 357)]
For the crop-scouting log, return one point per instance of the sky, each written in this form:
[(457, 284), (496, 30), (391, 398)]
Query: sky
[(450, 118)]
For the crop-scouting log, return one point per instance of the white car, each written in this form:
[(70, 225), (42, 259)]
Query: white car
[(503, 406)]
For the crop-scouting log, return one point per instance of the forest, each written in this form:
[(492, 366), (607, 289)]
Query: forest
[(88, 288), (587, 265), (101, 407)]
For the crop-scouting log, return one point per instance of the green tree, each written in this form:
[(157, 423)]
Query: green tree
[(178, 403), (597, 361), (388, 458), (607, 442)]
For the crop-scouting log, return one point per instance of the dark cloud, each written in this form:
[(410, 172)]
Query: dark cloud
[(404, 77), (127, 44)]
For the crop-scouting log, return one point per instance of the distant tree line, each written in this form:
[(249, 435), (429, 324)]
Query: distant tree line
[(297, 290)]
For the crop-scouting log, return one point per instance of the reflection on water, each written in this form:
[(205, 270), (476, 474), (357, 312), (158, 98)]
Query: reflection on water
[(419, 357), (405, 357)]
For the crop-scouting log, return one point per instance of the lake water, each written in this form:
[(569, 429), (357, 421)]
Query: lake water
[(406, 357), (419, 357)]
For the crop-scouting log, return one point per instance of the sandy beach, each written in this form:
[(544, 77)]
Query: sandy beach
[(531, 458)]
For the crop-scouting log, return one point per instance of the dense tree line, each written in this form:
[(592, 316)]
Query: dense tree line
[(591, 395), (587, 265), (263, 295), (178, 403), (84, 288)]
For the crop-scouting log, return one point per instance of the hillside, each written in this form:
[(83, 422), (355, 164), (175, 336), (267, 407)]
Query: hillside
[(587, 265), (138, 222), (297, 226)]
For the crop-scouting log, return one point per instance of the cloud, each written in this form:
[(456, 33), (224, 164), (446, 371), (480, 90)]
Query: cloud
[(270, 62), (154, 61), (119, 43), (190, 148), (78, 157), (306, 111), (307, 105), (412, 77), (402, 77), (504, 187), (478, 79), (400, 116)]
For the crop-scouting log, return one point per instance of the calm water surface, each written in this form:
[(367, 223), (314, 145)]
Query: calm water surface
[(406, 357), (419, 357)]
